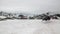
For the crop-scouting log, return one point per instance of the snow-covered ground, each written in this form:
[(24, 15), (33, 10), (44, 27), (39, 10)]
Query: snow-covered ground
[(30, 27), (2, 17)]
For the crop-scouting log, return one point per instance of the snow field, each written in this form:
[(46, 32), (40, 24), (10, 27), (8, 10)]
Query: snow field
[(30, 27)]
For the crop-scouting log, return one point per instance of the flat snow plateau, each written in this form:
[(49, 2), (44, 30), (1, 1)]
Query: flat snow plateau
[(30, 27)]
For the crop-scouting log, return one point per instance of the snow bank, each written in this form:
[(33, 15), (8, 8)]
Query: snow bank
[(30, 27), (2, 17)]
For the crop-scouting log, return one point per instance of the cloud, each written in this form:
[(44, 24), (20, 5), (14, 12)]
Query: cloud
[(30, 5)]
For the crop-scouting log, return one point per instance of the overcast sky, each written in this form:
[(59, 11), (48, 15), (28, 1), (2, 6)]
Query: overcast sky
[(30, 6)]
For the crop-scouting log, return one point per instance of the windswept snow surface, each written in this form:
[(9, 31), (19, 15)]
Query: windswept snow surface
[(30, 27)]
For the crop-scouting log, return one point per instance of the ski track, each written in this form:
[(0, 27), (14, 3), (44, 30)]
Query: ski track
[(30, 27)]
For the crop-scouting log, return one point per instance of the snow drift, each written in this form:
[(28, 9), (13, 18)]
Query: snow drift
[(30, 27)]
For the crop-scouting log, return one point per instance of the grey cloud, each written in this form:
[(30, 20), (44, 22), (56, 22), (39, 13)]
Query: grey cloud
[(32, 6)]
